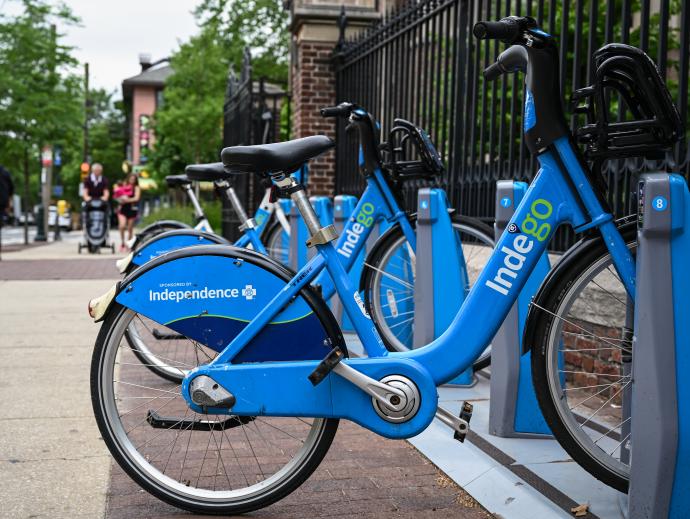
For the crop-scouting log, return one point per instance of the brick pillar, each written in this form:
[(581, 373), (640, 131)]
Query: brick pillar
[(312, 74)]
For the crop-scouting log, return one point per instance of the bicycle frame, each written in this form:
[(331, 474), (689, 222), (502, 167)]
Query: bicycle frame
[(550, 201), (376, 203)]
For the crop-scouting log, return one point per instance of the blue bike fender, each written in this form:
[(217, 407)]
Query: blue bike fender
[(210, 293)]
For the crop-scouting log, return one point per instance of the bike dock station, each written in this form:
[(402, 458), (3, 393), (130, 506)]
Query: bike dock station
[(510, 463), (514, 410), (437, 251), (660, 473)]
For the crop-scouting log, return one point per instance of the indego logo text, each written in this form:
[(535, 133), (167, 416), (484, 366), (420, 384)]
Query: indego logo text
[(363, 220), (515, 255)]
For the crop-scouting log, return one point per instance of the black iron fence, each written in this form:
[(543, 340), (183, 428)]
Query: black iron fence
[(421, 63), (254, 112)]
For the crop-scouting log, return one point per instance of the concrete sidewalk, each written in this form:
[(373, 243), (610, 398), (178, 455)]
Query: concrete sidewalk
[(53, 463), (52, 460)]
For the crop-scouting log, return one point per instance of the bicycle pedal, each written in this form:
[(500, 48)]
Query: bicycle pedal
[(461, 424), (326, 366), (466, 416)]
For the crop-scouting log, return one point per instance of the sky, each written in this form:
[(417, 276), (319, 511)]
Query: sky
[(113, 34)]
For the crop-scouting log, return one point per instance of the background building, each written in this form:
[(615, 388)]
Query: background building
[(142, 95)]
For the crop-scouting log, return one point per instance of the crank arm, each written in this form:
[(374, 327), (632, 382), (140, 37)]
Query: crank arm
[(165, 422), (375, 389)]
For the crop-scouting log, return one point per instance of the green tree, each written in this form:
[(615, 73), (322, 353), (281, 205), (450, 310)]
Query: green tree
[(189, 125), (39, 92), (107, 126), (260, 25)]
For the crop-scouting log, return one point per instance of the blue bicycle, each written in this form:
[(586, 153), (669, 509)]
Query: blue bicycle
[(389, 267), (253, 418), (269, 225)]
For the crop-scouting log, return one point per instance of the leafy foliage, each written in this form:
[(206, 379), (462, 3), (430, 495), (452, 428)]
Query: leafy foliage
[(260, 25), (189, 125), (42, 100), (39, 91), (183, 213)]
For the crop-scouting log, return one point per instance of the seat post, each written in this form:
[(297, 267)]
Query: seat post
[(318, 235), (198, 211), (231, 194), (301, 201)]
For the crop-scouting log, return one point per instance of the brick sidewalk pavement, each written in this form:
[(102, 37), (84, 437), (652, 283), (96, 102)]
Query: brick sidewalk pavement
[(43, 269), (363, 475)]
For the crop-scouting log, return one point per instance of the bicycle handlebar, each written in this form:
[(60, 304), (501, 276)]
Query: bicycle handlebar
[(493, 71), (502, 30), (342, 110), (365, 125), (536, 53), (512, 59), (508, 29)]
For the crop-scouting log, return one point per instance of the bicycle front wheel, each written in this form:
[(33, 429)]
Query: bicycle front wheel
[(389, 281), (580, 334), (212, 464)]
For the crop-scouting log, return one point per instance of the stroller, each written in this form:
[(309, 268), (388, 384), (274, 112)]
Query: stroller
[(95, 216)]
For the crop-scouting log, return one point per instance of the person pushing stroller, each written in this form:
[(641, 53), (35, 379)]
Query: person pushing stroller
[(96, 210)]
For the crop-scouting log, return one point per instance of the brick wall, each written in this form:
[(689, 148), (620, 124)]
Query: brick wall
[(313, 87), (593, 363)]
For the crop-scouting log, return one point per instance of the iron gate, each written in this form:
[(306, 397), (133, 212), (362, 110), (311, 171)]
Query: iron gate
[(254, 112), (421, 63)]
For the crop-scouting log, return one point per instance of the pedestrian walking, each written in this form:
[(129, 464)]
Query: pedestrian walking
[(128, 195)]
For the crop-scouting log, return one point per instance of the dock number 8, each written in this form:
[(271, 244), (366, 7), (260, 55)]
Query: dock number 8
[(540, 210)]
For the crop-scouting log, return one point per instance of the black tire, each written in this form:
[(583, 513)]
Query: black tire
[(113, 328), (156, 229), (541, 319), (388, 240)]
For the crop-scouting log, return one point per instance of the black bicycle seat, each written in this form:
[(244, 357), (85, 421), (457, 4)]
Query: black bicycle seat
[(208, 172), (177, 180), (278, 157)]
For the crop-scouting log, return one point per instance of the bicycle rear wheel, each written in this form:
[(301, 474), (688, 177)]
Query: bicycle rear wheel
[(579, 331), (224, 465), (389, 281)]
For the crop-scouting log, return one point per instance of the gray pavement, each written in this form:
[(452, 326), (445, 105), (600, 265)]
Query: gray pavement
[(52, 461)]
